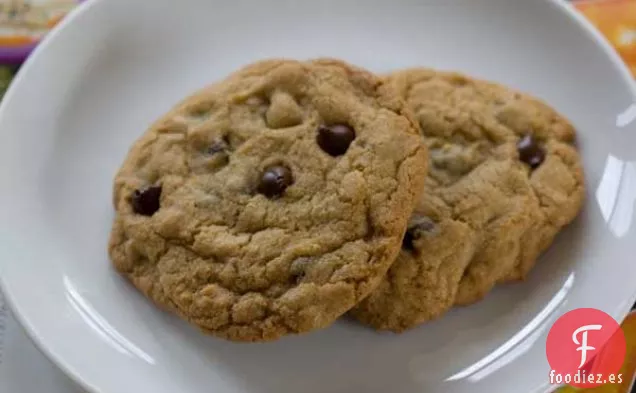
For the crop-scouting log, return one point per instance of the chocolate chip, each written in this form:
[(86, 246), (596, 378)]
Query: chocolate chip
[(275, 180), (218, 146), (298, 268), (335, 139), (298, 277), (146, 200), (530, 152), (418, 226)]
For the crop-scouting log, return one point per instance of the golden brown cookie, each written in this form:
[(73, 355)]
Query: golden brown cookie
[(272, 202), (504, 178)]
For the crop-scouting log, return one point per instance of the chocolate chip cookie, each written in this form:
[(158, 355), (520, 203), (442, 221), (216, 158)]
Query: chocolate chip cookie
[(271, 202), (504, 178)]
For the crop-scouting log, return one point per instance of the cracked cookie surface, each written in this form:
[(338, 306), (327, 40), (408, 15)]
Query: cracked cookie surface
[(271, 202), (504, 178)]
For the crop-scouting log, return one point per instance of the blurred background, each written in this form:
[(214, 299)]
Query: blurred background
[(616, 19)]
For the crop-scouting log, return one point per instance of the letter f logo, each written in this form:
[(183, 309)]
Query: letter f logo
[(584, 348)]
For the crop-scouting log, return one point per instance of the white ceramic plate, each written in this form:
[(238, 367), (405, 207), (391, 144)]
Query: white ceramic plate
[(116, 65)]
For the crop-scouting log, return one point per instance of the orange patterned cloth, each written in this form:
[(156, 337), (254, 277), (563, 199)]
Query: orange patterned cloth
[(616, 19)]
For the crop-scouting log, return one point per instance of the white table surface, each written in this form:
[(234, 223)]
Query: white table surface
[(23, 369)]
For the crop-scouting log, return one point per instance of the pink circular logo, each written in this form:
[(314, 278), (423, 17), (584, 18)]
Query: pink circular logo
[(586, 348)]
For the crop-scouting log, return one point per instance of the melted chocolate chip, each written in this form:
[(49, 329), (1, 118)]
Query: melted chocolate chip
[(275, 180), (418, 226), (145, 201), (530, 152), (335, 139)]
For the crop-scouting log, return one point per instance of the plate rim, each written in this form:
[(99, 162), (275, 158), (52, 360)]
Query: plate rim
[(72, 371)]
